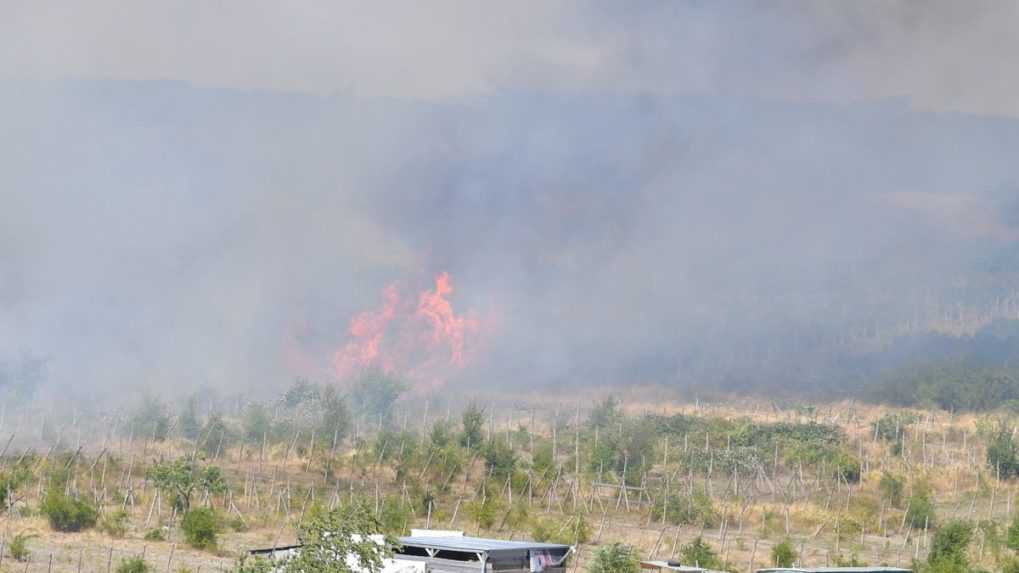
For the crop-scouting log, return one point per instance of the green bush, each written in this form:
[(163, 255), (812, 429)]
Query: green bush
[(249, 565), (200, 527), (65, 513), (155, 535), (948, 549), (19, 547), (891, 489), (396, 516), (484, 512), (133, 565), (694, 509), (700, 554), (500, 460), (847, 467), (614, 558), (1001, 453), (473, 420), (374, 393), (784, 554), (114, 523), (920, 507)]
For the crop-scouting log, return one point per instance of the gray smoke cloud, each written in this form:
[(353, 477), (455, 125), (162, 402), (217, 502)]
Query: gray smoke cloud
[(681, 193)]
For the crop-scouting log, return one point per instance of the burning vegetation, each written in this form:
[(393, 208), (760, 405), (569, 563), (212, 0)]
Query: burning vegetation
[(421, 339)]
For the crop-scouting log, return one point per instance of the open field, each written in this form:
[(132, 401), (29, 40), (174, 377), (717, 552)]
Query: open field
[(838, 481)]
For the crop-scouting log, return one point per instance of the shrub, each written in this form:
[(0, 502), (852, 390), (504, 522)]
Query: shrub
[(890, 427), (155, 535), (784, 554), (948, 549), (114, 523), (332, 538), (1012, 539), (605, 414), (484, 512), (700, 554), (133, 565), (150, 420), (395, 516), (499, 459), (574, 530), (65, 513), (374, 393), (891, 489), (1001, 453), (614, 558), (694, 509), (473, 419), (847, 467), (19, 547), (920, 508), (200, 527), (247, 565)]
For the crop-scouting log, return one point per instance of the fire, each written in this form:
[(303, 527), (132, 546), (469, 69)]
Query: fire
[(425, 342)]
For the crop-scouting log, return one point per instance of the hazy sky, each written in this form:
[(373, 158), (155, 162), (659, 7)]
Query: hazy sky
[(941, 54), (209, 191)]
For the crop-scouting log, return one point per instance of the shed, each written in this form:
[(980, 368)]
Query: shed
[(459, 554), (672, 566), (874, 569)]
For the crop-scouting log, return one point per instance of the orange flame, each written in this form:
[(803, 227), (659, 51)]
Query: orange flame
[(425, 343)]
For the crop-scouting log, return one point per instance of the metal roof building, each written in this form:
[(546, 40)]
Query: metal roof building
[(672, 566), (458, 554), (874, 569)]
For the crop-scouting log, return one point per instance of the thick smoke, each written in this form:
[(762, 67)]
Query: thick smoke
[(690, 194)]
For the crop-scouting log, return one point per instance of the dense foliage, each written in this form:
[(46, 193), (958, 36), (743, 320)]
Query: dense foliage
[(201, 527), (614, 558), (341, 541), (65, 513)]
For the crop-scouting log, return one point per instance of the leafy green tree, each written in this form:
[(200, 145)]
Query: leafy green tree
[(181, 477), (681, 508), (606, 414), (395, 516), (440, 436), (948, 549), (784, 554), (614, 558), (891, 489), (150, 421), (187, 421), (473, 420), (1001, 453), (257, 423), (340, 541), (500, 460), (334, 421), (920, 507), (700, 554), (301, 392), (201, 527), (484, 511), (215, 435), (374, 392), (12, 480)]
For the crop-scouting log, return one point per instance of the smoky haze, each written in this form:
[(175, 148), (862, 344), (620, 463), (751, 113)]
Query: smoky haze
[(689, 194)]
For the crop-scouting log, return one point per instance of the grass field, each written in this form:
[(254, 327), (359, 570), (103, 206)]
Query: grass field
[(840, 482)]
